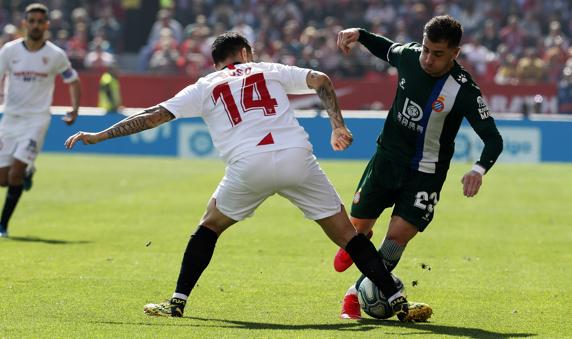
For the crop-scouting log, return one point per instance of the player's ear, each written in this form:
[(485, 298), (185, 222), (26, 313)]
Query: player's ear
[(244, 54), (456, 51)]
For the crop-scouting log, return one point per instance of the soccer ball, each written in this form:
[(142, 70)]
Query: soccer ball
[(372, 301)]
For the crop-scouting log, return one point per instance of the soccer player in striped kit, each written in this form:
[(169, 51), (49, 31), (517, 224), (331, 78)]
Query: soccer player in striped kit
[(434, 94)]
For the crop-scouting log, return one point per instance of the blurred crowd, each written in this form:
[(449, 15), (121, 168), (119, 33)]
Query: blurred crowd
[(89, 31), (505, 41)]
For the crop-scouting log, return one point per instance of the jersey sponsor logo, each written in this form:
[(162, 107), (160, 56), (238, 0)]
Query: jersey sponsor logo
[(439, 104), (29, 76), (482, 108), (462, 78), (410, 115), (411, 110)]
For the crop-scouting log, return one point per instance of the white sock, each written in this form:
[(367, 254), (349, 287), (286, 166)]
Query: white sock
[(180, 296), (395, 296)]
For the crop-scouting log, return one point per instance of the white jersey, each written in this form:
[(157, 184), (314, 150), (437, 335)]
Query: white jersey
[(29, 84), (246, 108)]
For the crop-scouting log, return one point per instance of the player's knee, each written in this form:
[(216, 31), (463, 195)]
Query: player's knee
[(400, 236), (215, 220), (363, 225), (4, 177), (15, 179), (15, 182), (214, 226)]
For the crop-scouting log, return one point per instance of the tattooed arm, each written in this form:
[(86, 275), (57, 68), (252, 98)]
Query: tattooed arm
[(341, 136), (149, 118)]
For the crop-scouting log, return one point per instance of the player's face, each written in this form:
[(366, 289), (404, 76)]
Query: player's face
[(36, 24), (437, 58)]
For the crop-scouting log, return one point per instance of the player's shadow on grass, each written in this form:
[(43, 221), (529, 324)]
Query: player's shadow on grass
[(372, 324), (363, 325), (455, 331), (49, 241)]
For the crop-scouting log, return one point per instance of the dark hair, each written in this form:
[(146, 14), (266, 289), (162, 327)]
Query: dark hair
[(36, 7), (444, 28), (228, 44)]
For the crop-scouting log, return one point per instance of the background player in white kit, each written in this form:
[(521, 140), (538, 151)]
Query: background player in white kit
[(30, 66), (246, 108)]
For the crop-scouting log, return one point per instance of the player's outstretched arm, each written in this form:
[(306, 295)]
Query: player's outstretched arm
[(149, 118), (341, 136)]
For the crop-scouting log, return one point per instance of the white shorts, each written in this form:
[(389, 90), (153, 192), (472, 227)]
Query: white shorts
[(22, 138), (292, 173)]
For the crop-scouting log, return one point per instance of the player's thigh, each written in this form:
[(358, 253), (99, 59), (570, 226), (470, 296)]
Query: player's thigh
[(4, 176), (306, 185), (17, 173), (30, 143), (7, 148), (245, 185), (418, 199), (377, 188)]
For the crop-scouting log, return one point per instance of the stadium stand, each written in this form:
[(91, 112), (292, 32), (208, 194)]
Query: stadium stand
[(507, 42)]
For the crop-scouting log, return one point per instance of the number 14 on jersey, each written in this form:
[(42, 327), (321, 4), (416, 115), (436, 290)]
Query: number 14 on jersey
[(250, 84)]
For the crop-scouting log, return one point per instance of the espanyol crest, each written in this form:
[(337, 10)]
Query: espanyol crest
[(439, 104)]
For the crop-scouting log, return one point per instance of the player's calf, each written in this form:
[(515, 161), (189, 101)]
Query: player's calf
[(27, 183), (342, 260)]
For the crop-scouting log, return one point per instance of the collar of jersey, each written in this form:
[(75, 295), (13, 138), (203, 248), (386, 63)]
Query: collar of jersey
[(27, 49), (231, 66)]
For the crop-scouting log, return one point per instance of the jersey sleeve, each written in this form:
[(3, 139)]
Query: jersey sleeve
[(293, 79), (479, 116), (185, 104), (382, 47), (65, 70)]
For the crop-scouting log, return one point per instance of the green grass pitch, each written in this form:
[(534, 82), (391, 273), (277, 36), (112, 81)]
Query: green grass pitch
[(100, 236)]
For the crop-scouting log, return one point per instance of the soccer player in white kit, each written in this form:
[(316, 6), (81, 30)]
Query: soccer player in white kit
[(30, 66), (247, 111)]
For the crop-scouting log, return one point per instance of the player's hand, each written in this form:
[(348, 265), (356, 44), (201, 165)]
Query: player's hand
[(471, 181), (70, 117), (346, 38), (86, 137), (341, 138)]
